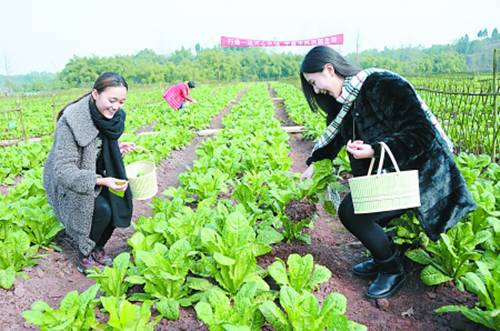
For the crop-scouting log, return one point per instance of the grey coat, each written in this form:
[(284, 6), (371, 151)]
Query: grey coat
[(69, 176)]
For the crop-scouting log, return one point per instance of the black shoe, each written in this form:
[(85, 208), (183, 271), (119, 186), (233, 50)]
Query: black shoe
[(389, 279), (366, 270)]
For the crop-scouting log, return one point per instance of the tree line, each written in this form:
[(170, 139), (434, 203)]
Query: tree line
[(253, 64), (213, 64)]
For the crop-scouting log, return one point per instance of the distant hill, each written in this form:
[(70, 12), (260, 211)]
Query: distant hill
[(464, 55)]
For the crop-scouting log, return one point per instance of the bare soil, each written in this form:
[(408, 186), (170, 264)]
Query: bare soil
[(412, 308)]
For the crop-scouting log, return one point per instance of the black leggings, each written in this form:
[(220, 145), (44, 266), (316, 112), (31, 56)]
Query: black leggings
[(368, 228), (102, 227)]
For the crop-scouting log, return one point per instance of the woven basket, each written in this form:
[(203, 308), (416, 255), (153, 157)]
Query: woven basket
[(144, 186), (385, 191)]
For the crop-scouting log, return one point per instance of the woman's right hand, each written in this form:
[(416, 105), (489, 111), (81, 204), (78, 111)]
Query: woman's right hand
[(308, 173), (113, 183)]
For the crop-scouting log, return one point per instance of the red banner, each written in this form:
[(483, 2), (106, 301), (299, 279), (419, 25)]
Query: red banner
[(337, 39)]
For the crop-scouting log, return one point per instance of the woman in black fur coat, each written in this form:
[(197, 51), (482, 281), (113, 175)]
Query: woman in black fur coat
[(364, 108)]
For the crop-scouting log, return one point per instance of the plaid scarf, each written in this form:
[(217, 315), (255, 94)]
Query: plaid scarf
[(350, 90)]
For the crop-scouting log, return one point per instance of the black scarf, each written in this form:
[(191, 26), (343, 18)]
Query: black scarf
[(109, 132)]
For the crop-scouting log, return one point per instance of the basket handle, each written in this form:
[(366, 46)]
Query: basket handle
[(384, 149)]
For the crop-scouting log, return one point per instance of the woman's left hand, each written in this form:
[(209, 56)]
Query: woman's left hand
[(126, 147), (359, 149)]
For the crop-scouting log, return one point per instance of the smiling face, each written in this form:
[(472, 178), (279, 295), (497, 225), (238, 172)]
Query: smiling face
[(326, 81), (109, 101)]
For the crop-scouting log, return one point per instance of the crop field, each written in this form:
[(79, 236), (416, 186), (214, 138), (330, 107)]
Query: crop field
[(234, 240)]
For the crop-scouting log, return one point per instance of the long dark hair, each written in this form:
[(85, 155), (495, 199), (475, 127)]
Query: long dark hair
[(315, 61), (105, 80)]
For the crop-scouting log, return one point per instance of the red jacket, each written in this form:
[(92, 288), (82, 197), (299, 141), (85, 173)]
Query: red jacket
[(176, 94)]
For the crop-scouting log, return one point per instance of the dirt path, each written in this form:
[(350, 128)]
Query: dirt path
[(56, 274)]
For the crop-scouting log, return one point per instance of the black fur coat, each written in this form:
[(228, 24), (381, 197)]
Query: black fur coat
[(387, 109)]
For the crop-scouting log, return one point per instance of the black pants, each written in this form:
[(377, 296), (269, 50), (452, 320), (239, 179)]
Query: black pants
[(368, 228), (102, 227)]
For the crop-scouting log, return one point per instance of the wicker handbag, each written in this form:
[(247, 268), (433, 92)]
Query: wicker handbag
[(385, 191)]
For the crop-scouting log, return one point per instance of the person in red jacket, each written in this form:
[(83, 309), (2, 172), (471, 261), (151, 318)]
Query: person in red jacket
[(177, 96)]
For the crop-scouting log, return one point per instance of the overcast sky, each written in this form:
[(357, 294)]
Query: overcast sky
[(43, 35)]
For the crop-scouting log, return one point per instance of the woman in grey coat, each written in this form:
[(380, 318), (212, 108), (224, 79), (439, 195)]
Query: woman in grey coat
[(84, 176)]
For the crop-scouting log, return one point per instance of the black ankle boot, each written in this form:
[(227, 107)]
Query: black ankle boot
[(389, 279), (367, 269)]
